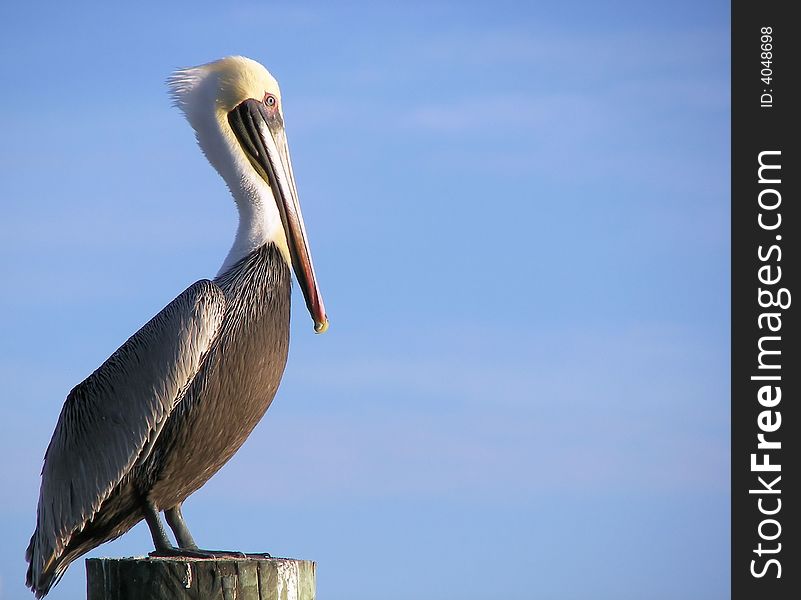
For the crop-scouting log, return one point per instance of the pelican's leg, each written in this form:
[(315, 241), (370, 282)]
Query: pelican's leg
[(160, 539), (175, 519), (187, 546)]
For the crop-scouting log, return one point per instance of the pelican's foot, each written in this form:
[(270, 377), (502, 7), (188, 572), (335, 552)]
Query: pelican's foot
[(201, 553), (185, 552)]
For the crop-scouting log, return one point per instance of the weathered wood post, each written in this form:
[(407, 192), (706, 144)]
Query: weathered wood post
[(145, 578)]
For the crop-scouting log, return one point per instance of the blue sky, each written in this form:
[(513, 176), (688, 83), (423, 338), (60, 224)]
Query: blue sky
[(519, 215)]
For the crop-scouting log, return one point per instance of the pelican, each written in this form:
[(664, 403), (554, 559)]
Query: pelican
[(174, 403)]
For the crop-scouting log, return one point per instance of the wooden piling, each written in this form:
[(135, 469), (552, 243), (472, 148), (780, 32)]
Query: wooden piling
[(145, 578)]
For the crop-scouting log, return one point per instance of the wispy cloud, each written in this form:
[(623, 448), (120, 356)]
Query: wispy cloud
[(578, 52)]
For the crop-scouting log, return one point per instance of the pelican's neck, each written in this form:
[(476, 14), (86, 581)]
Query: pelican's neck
[(259, 223), (259, 219)]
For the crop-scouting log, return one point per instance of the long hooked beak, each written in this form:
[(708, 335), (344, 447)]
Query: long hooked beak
[(260, 131)]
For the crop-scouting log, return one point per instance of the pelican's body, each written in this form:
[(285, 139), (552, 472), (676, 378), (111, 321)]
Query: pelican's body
[(178, 399), (236, 384)]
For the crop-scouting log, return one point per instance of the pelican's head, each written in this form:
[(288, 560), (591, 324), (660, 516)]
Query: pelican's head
[(234, 106)]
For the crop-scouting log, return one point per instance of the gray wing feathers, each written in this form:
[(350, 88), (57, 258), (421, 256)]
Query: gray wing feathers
[(108, 419)]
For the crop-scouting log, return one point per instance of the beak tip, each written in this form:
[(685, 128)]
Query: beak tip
[(321, 327)]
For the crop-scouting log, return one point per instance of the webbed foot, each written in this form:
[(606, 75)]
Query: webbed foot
[(202, 553)]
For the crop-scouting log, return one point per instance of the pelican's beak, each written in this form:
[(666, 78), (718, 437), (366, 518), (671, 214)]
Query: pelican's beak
[(261, 133)]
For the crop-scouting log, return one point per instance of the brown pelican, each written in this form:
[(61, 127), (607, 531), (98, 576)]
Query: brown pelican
[(174, 403)]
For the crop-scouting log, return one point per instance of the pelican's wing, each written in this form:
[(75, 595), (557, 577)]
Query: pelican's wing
[(108, 419)]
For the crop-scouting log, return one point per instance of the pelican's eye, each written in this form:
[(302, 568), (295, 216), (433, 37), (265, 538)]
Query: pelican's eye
[(269, 100)]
